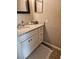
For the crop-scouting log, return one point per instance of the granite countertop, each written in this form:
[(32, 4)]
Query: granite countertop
[(27, 28)]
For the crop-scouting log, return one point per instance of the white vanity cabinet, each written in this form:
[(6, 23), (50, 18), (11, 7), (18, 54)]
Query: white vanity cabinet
[(29, 42)]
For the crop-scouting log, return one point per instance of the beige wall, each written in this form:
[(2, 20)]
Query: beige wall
[(51, 12)]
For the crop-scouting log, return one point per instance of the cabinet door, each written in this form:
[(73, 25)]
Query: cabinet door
[(27, 35), (29, 45), (19, 51), (34, 42), (26, 48), (41, 34)]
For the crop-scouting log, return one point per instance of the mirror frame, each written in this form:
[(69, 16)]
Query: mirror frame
[(25, 12)]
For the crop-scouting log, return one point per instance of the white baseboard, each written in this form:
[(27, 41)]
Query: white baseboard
[(53, 46)]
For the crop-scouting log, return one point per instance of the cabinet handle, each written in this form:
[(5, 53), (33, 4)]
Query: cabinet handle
[(30, 40)]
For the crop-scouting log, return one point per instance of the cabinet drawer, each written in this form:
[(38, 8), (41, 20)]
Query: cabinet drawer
[(41, 29), (27, 35), (40, 32), (34, 32)]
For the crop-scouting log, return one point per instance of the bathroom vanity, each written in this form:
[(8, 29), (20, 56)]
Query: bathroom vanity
[(28, 39)]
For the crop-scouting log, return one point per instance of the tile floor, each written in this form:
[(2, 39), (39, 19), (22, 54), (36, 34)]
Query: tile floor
[(55, 55)]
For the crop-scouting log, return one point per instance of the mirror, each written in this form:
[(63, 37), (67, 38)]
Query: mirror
[(39, 6), (23, 6)]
